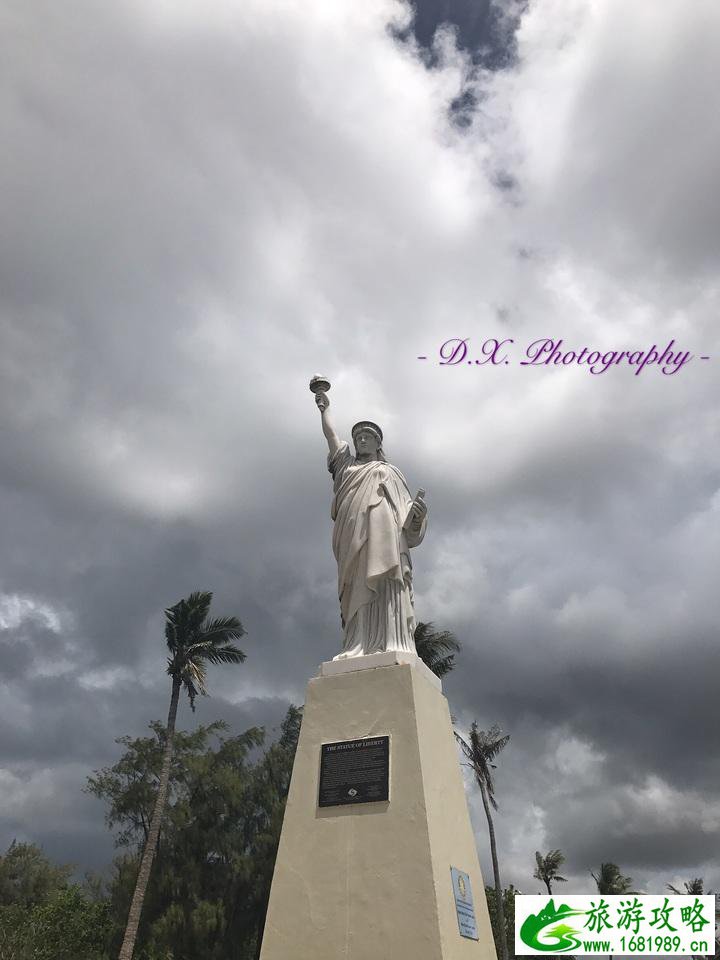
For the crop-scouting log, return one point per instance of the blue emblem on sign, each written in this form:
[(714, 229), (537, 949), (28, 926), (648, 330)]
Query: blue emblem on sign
[(464, 904)]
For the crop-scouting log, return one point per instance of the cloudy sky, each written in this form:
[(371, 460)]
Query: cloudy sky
[(203, 204)]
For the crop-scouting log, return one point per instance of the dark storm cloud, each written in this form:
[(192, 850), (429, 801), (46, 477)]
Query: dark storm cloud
[(639, 713), (649, 843), (485, 28), (22, 646)]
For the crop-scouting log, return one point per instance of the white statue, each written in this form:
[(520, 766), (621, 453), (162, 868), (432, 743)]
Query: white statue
[(376, 522)]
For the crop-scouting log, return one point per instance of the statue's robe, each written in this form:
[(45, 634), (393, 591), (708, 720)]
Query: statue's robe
[(372, 537)]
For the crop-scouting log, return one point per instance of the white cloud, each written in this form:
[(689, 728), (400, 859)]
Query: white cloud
[(15, 609), (105, 678), (578, 760)]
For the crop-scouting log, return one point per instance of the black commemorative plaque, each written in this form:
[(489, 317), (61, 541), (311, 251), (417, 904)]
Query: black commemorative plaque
[(354, 771)]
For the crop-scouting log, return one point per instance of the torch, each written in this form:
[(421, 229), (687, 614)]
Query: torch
[(319, 385)]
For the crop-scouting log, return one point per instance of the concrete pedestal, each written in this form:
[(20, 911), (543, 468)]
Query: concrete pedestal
[(372, 881)]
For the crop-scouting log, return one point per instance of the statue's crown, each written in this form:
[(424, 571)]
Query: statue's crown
[(367, 425)]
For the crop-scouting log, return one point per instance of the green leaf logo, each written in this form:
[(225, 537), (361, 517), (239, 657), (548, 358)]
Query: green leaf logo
[(535, 926)]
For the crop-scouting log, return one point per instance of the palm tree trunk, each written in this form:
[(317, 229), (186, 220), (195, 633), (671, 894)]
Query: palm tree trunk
[(496, 872), (549, 889), (128, 944)]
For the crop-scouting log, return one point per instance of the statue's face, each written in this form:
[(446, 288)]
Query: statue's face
[(366, 443)]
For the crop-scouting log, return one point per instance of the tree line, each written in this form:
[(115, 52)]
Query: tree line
[(197, 817)]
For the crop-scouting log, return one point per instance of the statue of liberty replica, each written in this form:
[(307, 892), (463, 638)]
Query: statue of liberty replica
[(377, 522), (377, 857)]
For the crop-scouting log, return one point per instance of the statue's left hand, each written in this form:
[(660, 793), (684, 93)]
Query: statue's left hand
[(418, 509)]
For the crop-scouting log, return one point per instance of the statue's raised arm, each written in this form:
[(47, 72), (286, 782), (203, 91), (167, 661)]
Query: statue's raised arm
[(320, 387), (377, 521)]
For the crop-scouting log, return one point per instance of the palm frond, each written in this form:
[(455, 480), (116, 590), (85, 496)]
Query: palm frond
[(191, 690), (464, 746), (198, 605), (223, 628), (695, 887), (193, 676), (611, 881), (441, 641), (436, 648), (492, 742), (211, 651), (196, 670), (441, 666), (227, 654), (186, 617), (171, 628)]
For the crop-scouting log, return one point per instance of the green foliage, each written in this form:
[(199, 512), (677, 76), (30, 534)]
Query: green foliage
[(14, 925), (208, 893), (130, 786), (509, 917), (27, 877), (66, 926), (436, 648), (35, 896), (69, 927)]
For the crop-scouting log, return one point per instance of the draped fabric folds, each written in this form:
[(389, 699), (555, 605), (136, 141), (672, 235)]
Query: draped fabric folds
[(372, 547)]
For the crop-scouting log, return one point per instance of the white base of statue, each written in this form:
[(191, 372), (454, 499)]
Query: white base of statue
[(373, 660), (371, 881)]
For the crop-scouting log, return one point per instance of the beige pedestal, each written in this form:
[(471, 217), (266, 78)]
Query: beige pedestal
[(372, 881)]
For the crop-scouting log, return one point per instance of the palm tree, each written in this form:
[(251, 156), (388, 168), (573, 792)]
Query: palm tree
[(547, 868), (480, 750), (693, 888), (193, 641), (610, 881), (696, 888), (436, 648)]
